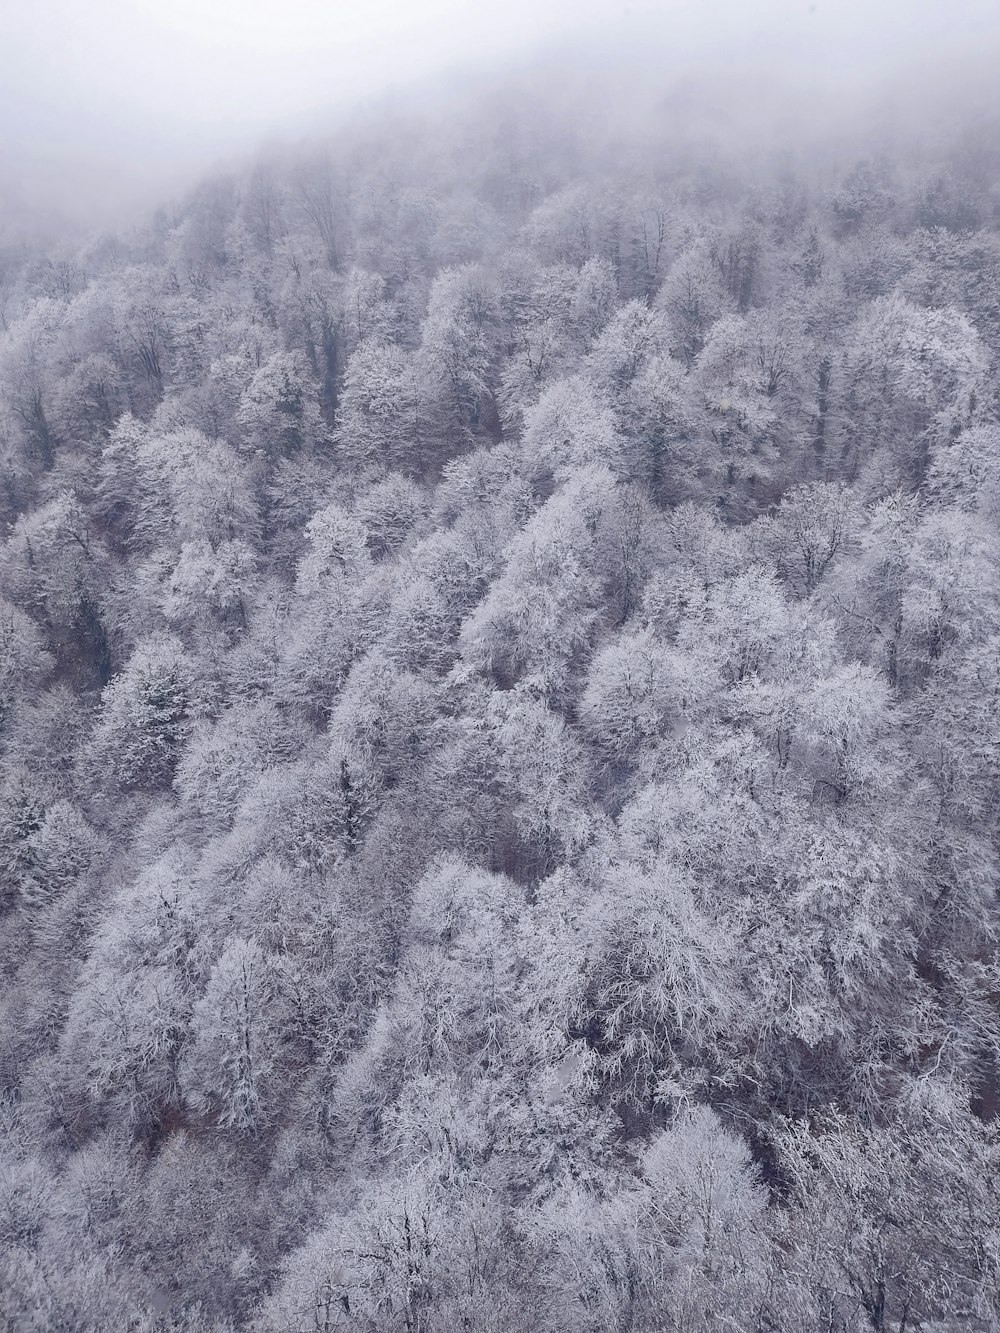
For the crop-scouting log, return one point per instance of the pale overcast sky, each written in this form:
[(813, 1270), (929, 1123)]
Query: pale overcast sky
[(95, 94)]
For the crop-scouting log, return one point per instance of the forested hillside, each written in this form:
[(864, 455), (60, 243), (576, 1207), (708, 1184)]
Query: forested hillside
[(500, 726)]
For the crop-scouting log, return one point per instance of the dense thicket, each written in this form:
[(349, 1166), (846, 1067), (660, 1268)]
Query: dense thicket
[(499, 708)]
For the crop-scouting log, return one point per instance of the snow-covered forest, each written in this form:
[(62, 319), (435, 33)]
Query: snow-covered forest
[(500, 727)]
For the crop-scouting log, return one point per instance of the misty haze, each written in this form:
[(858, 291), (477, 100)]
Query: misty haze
[(499, 666)]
